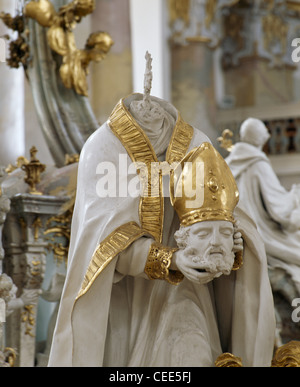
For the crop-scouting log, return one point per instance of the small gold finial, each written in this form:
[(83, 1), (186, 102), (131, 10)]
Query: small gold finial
[(33, 171), (226, 140)]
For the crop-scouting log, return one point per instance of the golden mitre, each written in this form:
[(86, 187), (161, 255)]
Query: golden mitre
[(202, 187)]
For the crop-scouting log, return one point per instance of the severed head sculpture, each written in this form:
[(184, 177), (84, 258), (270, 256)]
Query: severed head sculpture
[(204, 194)]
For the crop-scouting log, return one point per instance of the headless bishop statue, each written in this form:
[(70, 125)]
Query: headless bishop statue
[(132, 296)]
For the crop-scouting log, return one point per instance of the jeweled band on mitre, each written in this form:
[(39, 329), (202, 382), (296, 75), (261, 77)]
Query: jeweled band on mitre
[(206, 214)]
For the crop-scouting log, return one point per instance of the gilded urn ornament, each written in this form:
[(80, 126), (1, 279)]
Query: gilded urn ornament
[(33, 172)]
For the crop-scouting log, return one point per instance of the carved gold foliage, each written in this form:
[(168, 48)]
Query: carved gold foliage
[(28, 319), (18, 48), (61, 39), (179, 9), (10, 356), (59, 227), (275, 29), (19, 163), (287, 355)]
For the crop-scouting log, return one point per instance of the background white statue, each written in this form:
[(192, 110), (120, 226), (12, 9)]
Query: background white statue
[(275, 210)]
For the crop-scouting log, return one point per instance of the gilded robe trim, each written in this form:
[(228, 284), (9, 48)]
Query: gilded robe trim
[(151, 208), (108, 249), (139, 148)]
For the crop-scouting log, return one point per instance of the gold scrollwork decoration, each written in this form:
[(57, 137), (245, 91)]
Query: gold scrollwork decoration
[(19, 163), (225, 140), (228, 360), (74, 67), (59, 227), (71, 159), (36, 225), (18, 48), (287, 355), (180, 9), (10, 356)]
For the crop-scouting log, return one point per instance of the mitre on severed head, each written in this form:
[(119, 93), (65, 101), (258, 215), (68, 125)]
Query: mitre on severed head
[(202, 187)]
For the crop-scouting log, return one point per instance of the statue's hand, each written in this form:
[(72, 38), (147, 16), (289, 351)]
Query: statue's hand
[(237, 239), (190, 269), (30, 296)]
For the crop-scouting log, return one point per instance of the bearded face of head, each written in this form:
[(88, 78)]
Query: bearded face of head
[(209, 244)]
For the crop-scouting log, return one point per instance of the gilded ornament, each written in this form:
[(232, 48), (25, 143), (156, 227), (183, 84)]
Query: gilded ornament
[(199, 14), (210, 9), (28, 319), (288, 355), (275, 30), (108, 249), (228, 360), (61, 39), (37, 224), (71, 159), (33, 171), (158, 264), (60, 227), (10, 356), (23, 225), (19, 163), (18, 48), (293, 5), (151, 209), (226, 140), (179, 9)]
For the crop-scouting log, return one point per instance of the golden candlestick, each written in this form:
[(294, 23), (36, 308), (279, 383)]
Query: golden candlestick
[(33, 171)]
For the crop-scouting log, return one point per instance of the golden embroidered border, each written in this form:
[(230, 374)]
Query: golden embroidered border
[(139, 148), (151, 210), (108, 249), (180, 141)]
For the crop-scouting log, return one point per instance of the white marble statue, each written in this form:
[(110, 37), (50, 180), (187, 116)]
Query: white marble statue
[(128, 299), (275, 210)]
